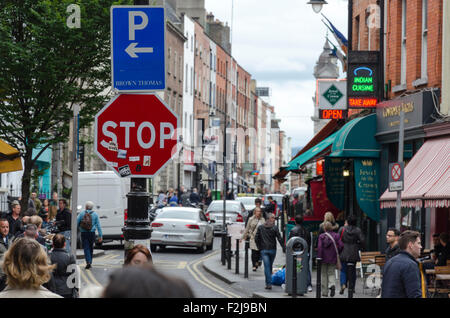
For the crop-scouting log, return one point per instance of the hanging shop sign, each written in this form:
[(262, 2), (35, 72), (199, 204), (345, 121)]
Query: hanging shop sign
[(366, 185), (363, 79), (335, 182)]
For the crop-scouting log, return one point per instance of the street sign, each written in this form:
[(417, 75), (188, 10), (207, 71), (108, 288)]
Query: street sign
[(331, 94), (396, 176), (136, 135), (138, 48)]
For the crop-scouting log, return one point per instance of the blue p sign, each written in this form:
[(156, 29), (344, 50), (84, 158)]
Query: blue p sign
[(138, 48)]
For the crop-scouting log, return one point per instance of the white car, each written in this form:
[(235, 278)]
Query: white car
[(180, 226)]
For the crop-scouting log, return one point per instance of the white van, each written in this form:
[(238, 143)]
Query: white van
[(108, 191)]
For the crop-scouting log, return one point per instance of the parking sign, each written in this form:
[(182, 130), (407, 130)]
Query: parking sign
[(138, 48)]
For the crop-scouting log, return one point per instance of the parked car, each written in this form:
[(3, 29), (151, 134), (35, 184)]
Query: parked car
[(248, 202), (181, 226), (235, 212)]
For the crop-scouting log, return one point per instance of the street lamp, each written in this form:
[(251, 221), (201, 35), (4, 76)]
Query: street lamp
[(317, 5)]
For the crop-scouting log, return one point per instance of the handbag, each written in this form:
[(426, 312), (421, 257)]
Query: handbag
[(338, 263)]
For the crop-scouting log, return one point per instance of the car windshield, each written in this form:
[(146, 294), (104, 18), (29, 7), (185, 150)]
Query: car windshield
[(247, 200), (218, 206), (177, 214)]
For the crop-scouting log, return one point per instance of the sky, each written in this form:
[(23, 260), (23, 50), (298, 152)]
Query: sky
[(279, 43)]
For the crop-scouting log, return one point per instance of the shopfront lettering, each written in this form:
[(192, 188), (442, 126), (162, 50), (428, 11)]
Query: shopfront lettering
[(395, 110)]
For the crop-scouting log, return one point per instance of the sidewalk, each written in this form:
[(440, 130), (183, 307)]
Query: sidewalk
[(255, 283), (97, 253)]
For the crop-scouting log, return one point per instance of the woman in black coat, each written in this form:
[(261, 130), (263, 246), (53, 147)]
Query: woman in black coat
[(353, 241), (61, 275)]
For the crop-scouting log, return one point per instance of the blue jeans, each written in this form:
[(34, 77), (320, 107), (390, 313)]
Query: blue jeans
[(67, 236), (88, 240), (268, 256), (343, 277)]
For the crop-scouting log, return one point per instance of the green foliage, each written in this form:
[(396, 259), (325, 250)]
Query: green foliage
[(47, 67)]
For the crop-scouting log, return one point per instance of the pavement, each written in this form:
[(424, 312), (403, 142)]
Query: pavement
[(255, 283), (97, 253)]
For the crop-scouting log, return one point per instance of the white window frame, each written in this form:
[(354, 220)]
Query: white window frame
[(424, 55), (403, 45)]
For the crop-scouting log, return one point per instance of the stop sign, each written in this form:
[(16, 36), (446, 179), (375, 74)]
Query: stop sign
[(136, 134)]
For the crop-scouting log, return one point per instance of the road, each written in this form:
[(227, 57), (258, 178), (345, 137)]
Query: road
[(183, 263)]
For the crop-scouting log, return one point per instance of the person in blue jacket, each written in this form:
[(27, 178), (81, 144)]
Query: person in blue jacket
[(402, 276), (88, 235)]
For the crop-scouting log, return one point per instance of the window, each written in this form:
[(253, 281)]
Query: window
[(358, 33), (180, 63), (187, 42), (424, 39), (403, 49), (186, 78), (175, 69), (369, 37), (169, 51), (192, 43), (192, 80)]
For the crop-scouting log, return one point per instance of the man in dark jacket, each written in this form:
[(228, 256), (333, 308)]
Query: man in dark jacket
[(392, 240), (266, 240), (353, 241), (402, 277), (64, 221), (66, 265), (300, 231)]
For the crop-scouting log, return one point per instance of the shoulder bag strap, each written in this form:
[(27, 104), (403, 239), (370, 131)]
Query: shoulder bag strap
[(334, 243)]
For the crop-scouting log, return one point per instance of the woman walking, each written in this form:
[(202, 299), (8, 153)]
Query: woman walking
[(329, 247), (266, 240), (250, 232)]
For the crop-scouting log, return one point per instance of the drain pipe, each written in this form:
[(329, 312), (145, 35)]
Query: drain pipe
[(445, 105)]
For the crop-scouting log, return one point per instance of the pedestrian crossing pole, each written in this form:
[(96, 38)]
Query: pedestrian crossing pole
[(137, 226)]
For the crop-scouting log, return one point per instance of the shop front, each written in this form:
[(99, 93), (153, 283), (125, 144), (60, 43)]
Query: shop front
[(350, 181), (425, 199), (419, 111)]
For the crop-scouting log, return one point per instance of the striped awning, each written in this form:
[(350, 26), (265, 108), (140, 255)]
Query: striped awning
[(427, 178)]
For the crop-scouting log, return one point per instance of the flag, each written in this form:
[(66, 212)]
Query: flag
[(339, 55), (340, 38)]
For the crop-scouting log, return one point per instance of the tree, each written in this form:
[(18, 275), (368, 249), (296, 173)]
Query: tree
[(46, 67)]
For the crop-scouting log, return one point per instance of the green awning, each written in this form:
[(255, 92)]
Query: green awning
[(356, 139), (311, 153)]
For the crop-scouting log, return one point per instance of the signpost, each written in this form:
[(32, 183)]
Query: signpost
[(331, 99), (396, 176), (138, 48), (136, 135)]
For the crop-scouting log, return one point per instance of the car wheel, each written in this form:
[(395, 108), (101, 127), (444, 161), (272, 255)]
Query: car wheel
[(210, 246), (153, 248), (201, 249)]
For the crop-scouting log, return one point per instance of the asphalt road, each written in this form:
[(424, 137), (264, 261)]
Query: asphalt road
[(184, 263)]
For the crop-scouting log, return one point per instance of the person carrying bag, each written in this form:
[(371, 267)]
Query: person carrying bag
[(328, 249)]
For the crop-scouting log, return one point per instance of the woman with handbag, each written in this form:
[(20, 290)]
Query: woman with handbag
[(329, 246)]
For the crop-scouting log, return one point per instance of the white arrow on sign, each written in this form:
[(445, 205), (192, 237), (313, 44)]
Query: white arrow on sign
[(132, 49)]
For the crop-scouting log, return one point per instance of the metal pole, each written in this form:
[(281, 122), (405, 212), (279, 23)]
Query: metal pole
[(237, 256), (229, 251), (224, 198), (137, 226), (319, 278), (246, 260), (73, 223), (400, 159)]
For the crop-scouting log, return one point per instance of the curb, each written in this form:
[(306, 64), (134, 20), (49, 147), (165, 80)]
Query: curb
[(217, 275)]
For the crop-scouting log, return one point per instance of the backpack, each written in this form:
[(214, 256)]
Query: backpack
[(86, 221)]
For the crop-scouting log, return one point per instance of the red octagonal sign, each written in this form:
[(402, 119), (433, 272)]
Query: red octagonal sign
[(136, 134)]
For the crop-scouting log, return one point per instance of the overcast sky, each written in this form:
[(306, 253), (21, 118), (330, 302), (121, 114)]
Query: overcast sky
[(278, 43)]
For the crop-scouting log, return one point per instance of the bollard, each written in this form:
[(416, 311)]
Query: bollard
[(319, 278), (237, 256), (294, 277), (229, 251), (224, 249), (350, 274), (246, 259)]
